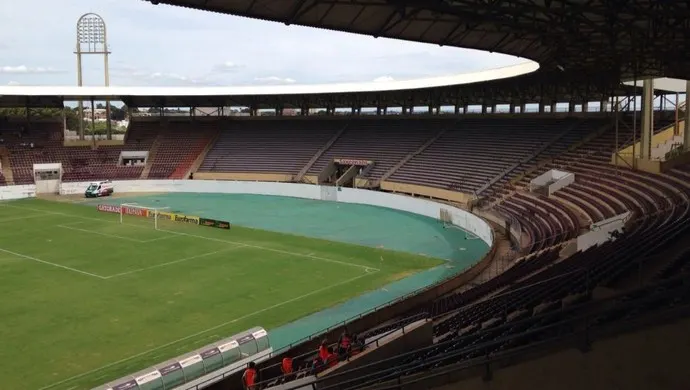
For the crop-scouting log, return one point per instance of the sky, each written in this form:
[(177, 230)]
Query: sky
[(171, 46)]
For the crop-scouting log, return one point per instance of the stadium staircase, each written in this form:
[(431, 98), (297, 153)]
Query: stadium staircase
[(409, 157), (200, 158), (6, 167), (320, 152), (527, 161), (150, 159)]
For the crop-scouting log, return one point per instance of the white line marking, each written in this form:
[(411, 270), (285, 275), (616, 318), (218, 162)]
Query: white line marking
[(53, 264), (70, 226), (203, 238), (172, 262), (207, 330), (273, 250), (101, 234), (158, 239), (21, 217)]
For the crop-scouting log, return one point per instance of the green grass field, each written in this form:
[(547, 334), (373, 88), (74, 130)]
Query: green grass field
[(86, 299)]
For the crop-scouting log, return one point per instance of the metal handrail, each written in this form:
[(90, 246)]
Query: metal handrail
[(602, 303)]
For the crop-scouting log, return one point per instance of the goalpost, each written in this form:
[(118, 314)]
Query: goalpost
[(140, 212)]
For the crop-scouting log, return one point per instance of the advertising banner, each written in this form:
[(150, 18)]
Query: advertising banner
[(135, 211), (108, 208), (214, 223), (186, 218)]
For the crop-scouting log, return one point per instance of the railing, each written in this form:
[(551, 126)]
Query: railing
[(341, 324), (393, 368), (373, 342)]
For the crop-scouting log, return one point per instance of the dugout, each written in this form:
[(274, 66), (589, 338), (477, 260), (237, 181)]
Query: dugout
[(205, 365), (48, 178)]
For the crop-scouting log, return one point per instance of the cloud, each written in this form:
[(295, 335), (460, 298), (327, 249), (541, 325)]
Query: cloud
[(274, 80), (227, 67), (23, 69), (12, 82), (384, 79)]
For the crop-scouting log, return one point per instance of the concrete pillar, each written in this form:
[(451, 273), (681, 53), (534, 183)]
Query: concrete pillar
[(686, 125), (457, 109), (541, 107), (647, 119)]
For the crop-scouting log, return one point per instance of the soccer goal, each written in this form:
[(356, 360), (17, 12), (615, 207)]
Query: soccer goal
[(468, 235), (133, 213)]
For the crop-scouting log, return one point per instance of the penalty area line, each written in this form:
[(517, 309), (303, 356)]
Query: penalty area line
[(173, 262), (208, 330), (364, 267), (51, 264)]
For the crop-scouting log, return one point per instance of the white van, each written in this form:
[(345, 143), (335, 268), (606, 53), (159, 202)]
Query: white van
[(99, 188)]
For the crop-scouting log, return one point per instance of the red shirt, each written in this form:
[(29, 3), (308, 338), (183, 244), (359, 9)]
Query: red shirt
[(323, 352), (287, 365), (249, 377), (332, 360)]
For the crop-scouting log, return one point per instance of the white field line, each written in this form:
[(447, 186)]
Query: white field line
[(53, 264), (172, 262), (2, 220), (101, 234), (364, 267), (208, 330), (70, 226)]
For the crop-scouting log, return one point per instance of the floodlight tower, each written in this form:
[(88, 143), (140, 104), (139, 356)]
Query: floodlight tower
[(92, 39)]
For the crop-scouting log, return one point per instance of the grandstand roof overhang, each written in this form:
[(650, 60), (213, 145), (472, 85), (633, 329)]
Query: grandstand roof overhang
[(625, 39), (509, 85)]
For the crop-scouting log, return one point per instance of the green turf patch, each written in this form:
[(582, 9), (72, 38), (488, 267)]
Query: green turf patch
[(89, 298)]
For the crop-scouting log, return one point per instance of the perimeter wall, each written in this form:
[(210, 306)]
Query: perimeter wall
[(461, 218)]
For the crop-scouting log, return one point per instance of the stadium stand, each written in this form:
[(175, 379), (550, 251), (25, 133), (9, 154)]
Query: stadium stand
[(541, 296), (172, 161), (268, 145)]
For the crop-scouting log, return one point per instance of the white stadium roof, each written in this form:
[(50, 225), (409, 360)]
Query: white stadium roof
[(117, 93)]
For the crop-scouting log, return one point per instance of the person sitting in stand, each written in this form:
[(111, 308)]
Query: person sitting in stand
[(316, 365), (344, 345), (323, 351), (286, 368), (357, 345), (331, 359), (249, 377)]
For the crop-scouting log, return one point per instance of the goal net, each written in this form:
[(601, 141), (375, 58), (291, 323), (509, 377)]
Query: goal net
[(136, 214)]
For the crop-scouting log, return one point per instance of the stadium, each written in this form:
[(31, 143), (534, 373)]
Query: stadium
[(515, 227)]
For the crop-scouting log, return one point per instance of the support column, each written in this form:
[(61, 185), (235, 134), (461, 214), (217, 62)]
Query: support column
[(647, 119), (686, 116), (541, 107)]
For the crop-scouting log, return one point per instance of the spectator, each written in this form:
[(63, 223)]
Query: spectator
[(316, 365), (249, 377), (344, 344), (286, 367), (323, 351), (331, 359)]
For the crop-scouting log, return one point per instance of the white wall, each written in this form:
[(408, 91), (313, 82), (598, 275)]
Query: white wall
[(600, 232), (461, 218), (554, 178)]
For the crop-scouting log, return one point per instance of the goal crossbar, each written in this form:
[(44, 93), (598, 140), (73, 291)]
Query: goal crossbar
[(138, 210)]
